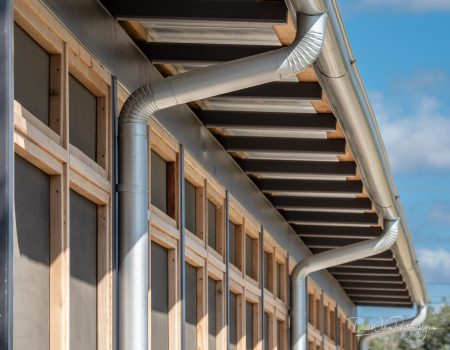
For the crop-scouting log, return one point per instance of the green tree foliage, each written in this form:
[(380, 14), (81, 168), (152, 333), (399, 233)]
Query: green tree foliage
[(436, 338)]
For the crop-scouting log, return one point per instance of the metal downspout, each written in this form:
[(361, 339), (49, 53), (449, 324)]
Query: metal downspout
[(394, 327), (133, 155), (6, 172), (352, 252)]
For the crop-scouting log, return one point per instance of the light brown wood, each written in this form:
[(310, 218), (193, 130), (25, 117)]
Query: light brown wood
[(135, 30)]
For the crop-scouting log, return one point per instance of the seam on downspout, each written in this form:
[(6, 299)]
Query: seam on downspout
[(407, 325), (325, 260)]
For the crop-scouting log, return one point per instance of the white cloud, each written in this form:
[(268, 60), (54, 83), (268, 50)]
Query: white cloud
[(408, 5), (415, 140), (435, 264)]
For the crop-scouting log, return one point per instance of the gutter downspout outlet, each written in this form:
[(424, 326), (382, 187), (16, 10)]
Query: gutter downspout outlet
[(407, 325), (321, 261)]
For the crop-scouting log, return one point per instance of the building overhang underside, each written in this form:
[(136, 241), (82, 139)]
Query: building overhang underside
[(283, 135)]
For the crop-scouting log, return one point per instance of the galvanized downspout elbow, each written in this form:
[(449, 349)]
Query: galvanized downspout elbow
[(338, 256), (133, 155), (407, 326)]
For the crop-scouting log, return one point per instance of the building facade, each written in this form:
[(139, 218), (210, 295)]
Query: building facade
[(241, 186)]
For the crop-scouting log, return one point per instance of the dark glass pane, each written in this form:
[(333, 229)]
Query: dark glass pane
[(160, 298), (232, 242), (212, 314), (212, 224), (191, 307), (249, 325), (82, 118), (190, 206), (31, 275), (83, 273), (158, 181), (31, 75)]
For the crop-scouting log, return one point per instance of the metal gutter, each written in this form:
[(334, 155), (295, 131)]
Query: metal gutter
[(338, 75), (408, 325), (321, 261)]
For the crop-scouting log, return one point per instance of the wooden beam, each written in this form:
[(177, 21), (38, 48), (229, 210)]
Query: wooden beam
[(290, 121), (281, 144), (281, 185), (291, 202), (330, 217), (234, 11)]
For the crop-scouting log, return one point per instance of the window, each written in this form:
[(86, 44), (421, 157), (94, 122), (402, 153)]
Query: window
[(281, 334), (159, 297), (326, 320), (190, 207), (212, 314), (83, 273), (251, 256), (311, 308), (212, 225), (162, 184), (191, 307), (232, 243), (158, 182), (233, 321), (31, 75), (266, 325), (318, 324), (333, 324), (279, 274), (31, 274), (249, 336), (268, 271), (82, 118)]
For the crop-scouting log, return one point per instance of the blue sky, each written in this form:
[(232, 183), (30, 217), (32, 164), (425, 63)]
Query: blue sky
[(402, 48)]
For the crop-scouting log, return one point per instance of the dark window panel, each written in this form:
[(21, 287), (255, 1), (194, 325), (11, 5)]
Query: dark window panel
[(82, 118), (191, 307), (31, 275), (249, 250), (158, 181), (212, 234), (190, 206), (160, 298), (31, 75), (233, 321), (232, 243), (279, 279), (83, 273), (266, 327), (266, 269), (249, 326), (212, 314)]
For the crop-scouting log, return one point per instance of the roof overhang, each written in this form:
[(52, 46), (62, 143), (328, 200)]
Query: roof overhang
[(310, 144)]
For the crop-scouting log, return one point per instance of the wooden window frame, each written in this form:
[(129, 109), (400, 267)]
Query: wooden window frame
[(271, 311), (217, 197), (202, 291), (165, 239), (238, 219), (48, 148), (218, 276), (256, 310), (270, 250), (237, 289), (196, 179), (251, 230), (283, 319)]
